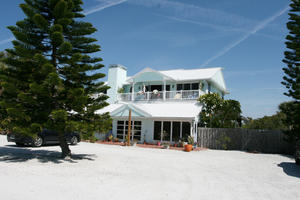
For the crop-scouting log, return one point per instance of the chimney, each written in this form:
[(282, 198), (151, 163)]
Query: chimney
[(117, 75)]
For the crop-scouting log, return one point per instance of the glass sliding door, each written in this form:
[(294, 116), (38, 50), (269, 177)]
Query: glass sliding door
[(176, 131), (157, 130), (120, 129), (166, 131), (186, 130)]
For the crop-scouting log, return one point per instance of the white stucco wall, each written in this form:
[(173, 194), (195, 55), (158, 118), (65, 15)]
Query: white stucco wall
[(147, 130)]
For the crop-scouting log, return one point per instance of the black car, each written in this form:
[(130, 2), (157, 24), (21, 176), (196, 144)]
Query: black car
[(44, 137), (297, 153)]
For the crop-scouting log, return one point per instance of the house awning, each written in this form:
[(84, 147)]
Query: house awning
[(180, 110)]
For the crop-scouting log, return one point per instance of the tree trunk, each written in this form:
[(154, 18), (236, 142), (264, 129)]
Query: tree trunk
[(65, 151)]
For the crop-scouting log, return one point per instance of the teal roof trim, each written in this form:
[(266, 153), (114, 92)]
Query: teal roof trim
[(123, 111)]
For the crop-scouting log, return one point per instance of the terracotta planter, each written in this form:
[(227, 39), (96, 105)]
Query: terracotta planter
[(188, 147)]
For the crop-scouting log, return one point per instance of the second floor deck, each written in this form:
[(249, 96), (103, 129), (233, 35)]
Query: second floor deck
[(161, 95)]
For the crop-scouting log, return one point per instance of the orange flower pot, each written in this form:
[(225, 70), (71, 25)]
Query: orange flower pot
[(188, 147)]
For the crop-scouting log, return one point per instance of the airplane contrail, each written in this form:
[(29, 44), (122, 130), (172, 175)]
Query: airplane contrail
[(6, 40), (103, 6), (258, 27)]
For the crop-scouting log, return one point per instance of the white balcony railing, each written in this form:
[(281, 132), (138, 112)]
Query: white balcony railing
[(161, 95)]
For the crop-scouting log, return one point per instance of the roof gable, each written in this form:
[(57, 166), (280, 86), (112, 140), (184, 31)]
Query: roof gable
[(149, 74), (123, 111)]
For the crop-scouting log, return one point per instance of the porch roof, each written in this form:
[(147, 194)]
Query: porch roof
[(214, 75), (154, 110)]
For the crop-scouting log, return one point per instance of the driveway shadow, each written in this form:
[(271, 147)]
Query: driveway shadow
[(12, 153), (290, 168)]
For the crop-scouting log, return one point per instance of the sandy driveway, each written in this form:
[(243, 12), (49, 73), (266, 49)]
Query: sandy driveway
[(114, 172)]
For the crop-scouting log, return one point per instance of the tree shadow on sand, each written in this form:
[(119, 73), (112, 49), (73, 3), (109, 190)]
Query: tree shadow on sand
[(290, 168), (13, 154)]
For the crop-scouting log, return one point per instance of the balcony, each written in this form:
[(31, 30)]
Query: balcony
[(161, 95)]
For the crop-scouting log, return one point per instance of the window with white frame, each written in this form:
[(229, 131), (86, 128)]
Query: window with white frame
[(122, 130)]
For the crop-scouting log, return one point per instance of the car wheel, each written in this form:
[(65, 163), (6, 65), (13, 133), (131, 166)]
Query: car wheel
[(74, 140), (38, 141), (19, 144)]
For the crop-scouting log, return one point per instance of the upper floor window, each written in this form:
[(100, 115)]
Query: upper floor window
[(188, 86), (195, 86), (179, 86)]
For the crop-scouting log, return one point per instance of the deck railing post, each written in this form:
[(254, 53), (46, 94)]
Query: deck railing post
[(132, 92), (164, 93), (181, 94)]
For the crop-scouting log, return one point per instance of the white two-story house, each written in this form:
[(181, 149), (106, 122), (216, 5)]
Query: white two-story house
[(163, 104)]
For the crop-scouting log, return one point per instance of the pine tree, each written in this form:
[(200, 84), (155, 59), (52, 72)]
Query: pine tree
[(3, 115), (52, 79), (292, 56), (291, 80)]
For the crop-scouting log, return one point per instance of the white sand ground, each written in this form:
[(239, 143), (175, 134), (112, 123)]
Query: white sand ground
[(115, 172)]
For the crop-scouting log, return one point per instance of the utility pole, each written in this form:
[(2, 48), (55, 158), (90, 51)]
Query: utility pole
[(129, 128)]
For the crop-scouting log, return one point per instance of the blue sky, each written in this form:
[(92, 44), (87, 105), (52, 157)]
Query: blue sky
[(244, 37)]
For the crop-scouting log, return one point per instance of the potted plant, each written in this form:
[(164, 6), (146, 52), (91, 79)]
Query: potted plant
[(189, 146), (176, 141), (181, 142), (134, 142), (166, 145), (110, 138), (121, 90)]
